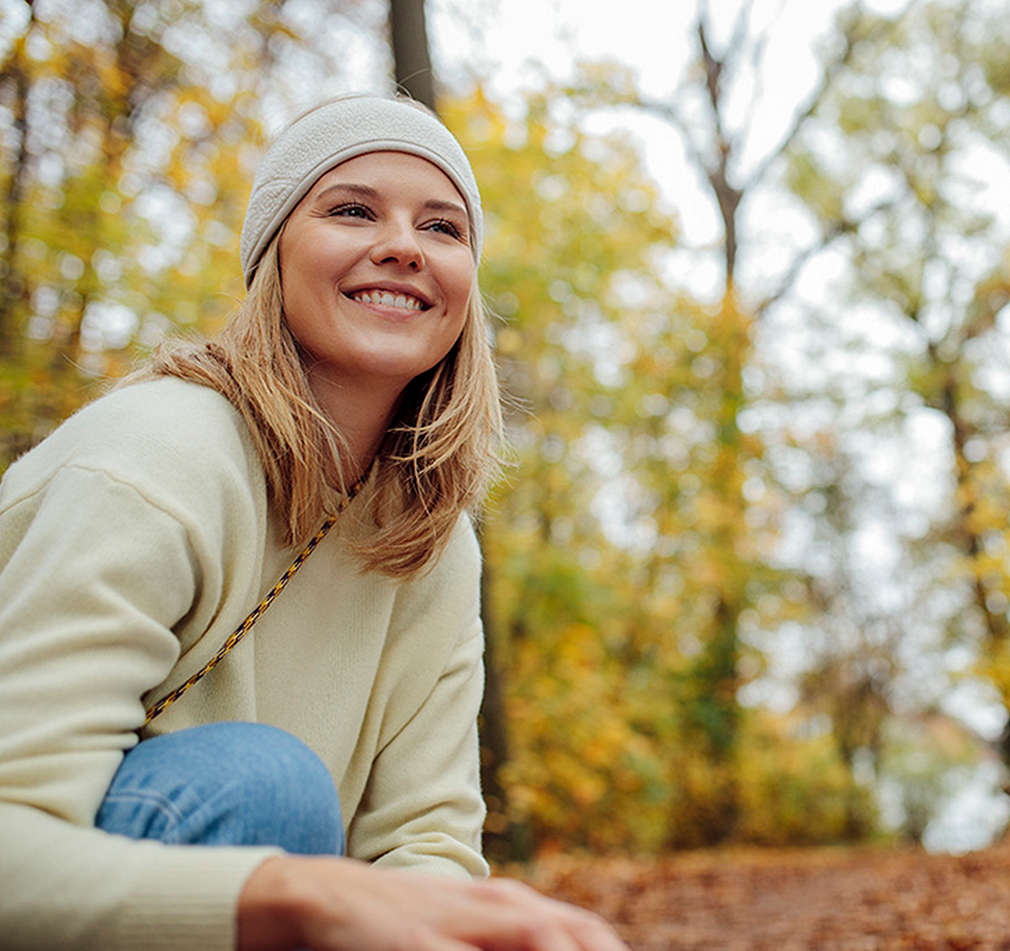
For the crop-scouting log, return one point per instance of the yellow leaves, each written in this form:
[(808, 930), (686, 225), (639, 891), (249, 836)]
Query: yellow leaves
[(794, 789), (125, 126), (178, 176), (114, 80), (508, 341), (601, 354), (994, 667), (576, 750), (806, 177), (710, 573), (604, 81)]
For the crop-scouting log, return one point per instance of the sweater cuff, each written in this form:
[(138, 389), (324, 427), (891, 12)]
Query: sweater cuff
[(186, 904)]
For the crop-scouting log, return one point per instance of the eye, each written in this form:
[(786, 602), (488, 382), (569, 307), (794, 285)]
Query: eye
[(444, 226), (351, 209)]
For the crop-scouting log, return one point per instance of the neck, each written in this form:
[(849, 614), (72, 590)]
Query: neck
[(361, 414)]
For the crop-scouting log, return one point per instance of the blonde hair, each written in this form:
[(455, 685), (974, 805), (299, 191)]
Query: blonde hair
[(438, 456)]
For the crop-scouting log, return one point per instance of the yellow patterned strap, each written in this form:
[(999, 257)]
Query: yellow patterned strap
[(256, 612)]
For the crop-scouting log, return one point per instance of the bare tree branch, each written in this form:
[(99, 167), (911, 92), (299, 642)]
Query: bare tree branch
[(667, 112), (15, 291), (757, 57), (796, 267), (738, 36), (713, 83), (830, 234), (411, 59), (803, 114), (828, 76)]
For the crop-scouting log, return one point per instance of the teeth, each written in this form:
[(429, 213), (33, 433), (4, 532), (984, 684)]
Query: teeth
[(388, 299)]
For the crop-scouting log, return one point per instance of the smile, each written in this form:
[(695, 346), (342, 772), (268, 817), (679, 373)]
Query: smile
[(389, 299)]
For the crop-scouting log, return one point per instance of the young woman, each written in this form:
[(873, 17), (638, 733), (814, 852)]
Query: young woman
[(255, 557)]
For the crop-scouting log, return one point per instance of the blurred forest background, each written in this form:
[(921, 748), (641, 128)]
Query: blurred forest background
[(749, 578)]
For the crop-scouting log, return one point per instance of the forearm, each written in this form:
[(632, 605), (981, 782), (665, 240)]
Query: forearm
[(79, 889), (424, 807)]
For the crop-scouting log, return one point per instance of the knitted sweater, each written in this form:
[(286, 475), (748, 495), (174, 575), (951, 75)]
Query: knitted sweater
[(132, 542)]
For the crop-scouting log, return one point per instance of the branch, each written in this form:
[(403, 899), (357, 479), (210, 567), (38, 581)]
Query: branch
[(757, 58), (713, 76), (669, 113), (841, 227), (740, 28), (801, 116), (828, 77)]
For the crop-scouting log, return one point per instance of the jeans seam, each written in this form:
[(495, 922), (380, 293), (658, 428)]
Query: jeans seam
[(151, 797)]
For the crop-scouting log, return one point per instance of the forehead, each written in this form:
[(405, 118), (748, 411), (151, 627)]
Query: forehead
[(397, 170)]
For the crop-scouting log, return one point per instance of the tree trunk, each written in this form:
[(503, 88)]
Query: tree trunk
[(997, 629), (503, 839), (411, 60), (14, 289)]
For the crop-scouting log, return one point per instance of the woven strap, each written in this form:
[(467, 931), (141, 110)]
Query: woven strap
[(254, 615)]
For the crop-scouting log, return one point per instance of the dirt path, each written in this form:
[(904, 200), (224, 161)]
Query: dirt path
[(793, 901)]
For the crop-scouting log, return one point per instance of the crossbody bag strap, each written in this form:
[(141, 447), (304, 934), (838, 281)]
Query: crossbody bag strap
[(256, 613)]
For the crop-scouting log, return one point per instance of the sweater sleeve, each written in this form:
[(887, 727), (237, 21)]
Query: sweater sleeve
[(423, 807), (94, 577)]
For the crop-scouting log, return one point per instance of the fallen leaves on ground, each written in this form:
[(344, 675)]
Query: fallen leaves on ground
[(851, 900)]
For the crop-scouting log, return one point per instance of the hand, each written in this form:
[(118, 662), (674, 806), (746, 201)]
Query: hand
[(330, 904)]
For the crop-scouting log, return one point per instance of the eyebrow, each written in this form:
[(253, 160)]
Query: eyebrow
[(366, 191)]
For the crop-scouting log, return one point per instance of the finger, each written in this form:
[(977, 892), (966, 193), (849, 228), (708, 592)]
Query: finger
[(590, 931), (595, 934), (549, 925), (516, 917), (581, 930), (438, 942), (546, 935)]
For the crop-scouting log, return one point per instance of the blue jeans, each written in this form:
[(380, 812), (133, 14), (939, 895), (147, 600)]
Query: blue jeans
[(226, 784)]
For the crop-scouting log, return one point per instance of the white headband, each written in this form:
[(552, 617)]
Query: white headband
[(333, 133)]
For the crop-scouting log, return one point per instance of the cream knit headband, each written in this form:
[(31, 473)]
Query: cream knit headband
[(333, 133)]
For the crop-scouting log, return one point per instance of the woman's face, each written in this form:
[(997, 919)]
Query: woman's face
[(377, 271)]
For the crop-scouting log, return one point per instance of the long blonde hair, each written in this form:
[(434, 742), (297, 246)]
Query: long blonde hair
[(437, 459)]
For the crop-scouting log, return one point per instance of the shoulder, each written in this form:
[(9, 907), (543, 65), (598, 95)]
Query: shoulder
[(459, 563), (172, 440), (163, 415), (450, 586), (462, 551)]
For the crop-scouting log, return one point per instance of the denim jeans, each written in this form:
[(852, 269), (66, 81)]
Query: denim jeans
[(226, 784)]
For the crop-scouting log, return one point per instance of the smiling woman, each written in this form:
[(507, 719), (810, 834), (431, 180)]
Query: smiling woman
[(255, 557)]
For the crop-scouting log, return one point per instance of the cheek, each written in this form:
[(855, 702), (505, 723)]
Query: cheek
[(295, 262), (459, 326), (310, 250), (461, 287), (301, 267), (459, 314)]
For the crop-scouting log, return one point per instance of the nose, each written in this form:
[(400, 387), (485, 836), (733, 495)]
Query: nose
[(396, 243)]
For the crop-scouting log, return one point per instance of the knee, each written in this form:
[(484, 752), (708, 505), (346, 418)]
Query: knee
[(282, 790), (236, 784)]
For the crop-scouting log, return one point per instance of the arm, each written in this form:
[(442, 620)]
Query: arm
[(94, 576), (422, 807)]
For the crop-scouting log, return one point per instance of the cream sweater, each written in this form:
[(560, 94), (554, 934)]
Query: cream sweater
[(132, 541)]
